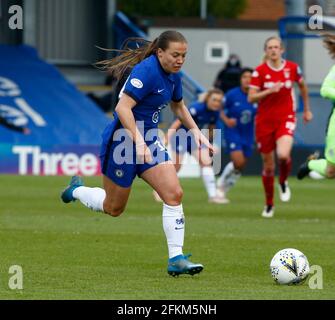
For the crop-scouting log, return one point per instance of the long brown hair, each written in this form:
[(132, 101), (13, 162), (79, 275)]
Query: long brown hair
[(128, 57), (329, 43), (204, 96)]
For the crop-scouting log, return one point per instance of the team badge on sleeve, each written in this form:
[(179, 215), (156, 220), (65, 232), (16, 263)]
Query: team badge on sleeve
[(137, 83), (255, 74), (193, 111)]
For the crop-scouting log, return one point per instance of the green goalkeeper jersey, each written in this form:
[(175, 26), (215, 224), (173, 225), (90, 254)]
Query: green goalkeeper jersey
[(328, 86)]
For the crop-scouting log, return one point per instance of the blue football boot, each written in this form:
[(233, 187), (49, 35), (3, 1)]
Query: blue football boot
[(67, 194), (181, 265)]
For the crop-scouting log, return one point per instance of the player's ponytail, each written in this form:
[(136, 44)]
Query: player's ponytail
[(329, 43), (134, 50)]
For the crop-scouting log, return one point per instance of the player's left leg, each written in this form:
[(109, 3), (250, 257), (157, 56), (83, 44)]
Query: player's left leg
[(163, 178), (283, 150), (232, 171), (207, 175)]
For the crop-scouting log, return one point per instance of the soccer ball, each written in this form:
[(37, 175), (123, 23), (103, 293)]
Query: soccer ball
[(289, 266)]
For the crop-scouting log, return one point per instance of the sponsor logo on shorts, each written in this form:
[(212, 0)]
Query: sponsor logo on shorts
[(119, 173)]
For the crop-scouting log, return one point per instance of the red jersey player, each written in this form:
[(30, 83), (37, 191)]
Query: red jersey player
[(272, 87)]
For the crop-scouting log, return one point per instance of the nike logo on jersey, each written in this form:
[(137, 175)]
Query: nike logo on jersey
[(160, 90)]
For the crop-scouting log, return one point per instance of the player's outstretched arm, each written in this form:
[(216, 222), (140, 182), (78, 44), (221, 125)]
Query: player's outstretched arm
[(255, 94), (229, 122)]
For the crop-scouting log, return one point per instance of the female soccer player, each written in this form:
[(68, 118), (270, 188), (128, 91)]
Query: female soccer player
[(272, 87), (131, 145), (325, 167), (204, 113), (238, 117)]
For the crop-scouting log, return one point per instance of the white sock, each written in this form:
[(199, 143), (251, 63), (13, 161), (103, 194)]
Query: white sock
[(208, 178), (92, 198), (228, 177), (173, 225)]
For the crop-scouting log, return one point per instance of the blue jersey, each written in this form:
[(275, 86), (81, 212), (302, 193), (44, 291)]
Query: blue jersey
[(152, 89), (201, 115), (240, 137), (237, 106)]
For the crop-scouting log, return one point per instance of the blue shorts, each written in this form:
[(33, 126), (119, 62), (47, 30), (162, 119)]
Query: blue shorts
[(118, 156), (236, 142)]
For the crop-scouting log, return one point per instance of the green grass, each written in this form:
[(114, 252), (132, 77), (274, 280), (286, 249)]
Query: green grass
[(70, 252)]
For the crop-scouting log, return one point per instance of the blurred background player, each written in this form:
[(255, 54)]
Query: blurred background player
[(153, 83), (238, 118), (204, 113), (325, 167), (272, 87), (229, 76)]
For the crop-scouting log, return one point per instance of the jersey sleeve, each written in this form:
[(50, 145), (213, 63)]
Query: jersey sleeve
[(140, 83), (177, 94), (298, 74), (256, 79), (328, 86)]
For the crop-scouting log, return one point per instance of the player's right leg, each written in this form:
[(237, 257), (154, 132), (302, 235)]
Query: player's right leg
[(118, 177), (266, 144), (268, 183), (111, 199)]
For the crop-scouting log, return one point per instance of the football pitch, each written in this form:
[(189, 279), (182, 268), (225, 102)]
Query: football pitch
[(70, 252)]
